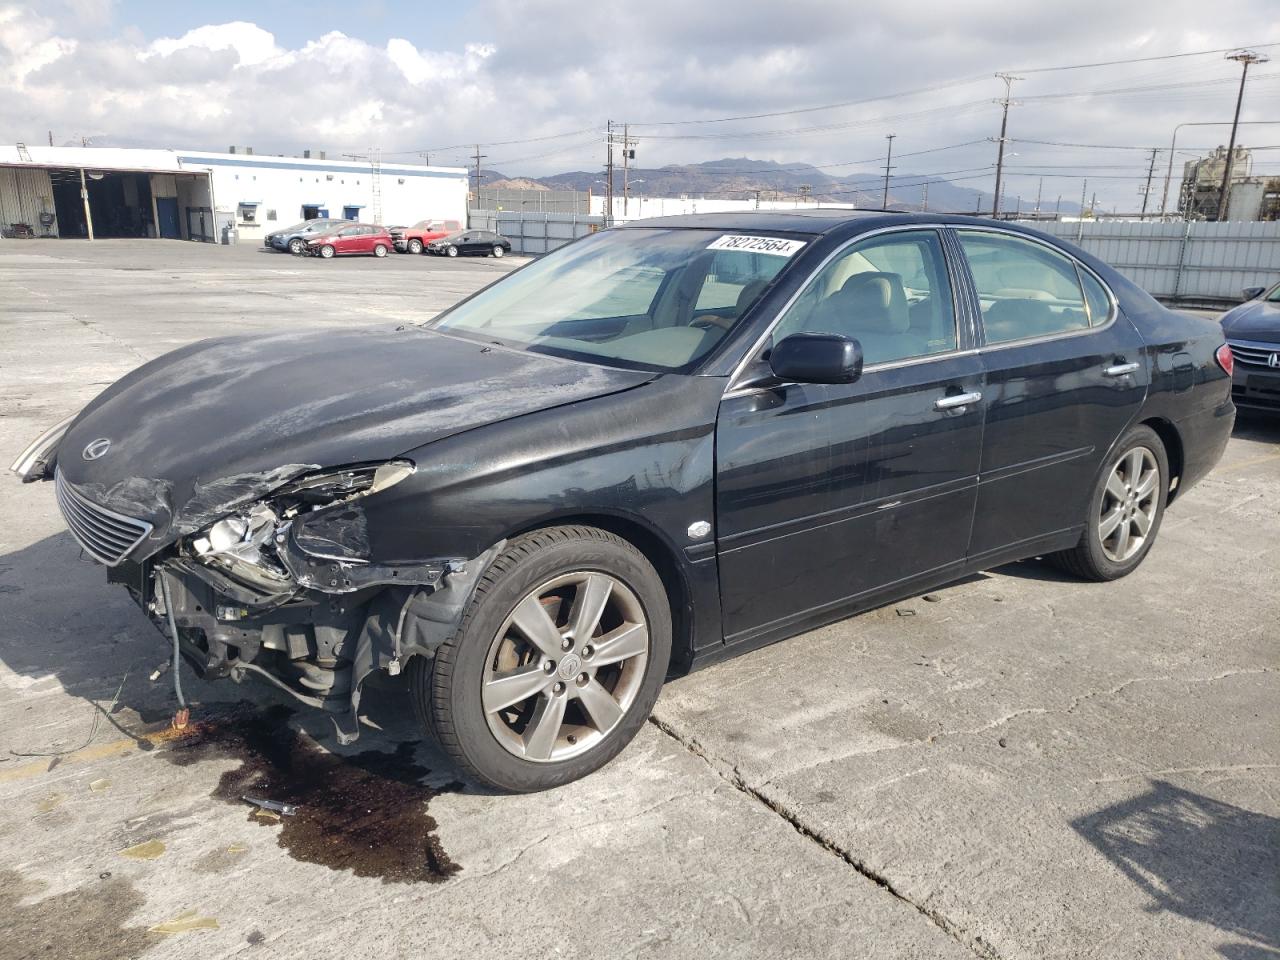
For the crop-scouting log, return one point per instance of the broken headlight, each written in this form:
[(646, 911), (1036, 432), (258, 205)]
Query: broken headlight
[(247, 545)]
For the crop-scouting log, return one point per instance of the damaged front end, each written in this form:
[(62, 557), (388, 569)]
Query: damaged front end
[(285, 589)]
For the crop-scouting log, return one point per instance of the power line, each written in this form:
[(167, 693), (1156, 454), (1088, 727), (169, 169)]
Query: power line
[(1166, 56)]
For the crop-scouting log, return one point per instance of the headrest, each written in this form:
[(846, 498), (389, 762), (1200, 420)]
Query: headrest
[(748, 293), (874, 302)]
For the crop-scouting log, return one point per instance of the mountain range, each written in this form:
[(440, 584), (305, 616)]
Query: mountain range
[(742, 178)]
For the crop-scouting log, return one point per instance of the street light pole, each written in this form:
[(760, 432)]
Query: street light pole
[(1245, 58)]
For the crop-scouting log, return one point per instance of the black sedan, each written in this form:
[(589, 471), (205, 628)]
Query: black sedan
[(471, 243), (1253, 332), (653, 449)]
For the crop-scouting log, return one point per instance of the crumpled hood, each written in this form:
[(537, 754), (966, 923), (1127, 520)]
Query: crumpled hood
[(220, 423), (1256, 320)]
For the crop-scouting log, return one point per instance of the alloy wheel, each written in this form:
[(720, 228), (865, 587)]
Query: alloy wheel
[(1129, 504), (565, 666)]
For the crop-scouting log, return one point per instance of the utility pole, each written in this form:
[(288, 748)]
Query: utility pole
[(51, 138), (1005, 103), (757, 193), (924, 198), (608, 173), (1245, 58), (1084, 192), (888, 165), (1039, 191), (478, 156), (1146, 191)]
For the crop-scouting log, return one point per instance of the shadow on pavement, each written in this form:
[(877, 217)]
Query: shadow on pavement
[(1199, 858), (1257, 426)]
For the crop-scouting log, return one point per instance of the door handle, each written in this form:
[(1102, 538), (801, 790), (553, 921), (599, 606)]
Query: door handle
[(1121, 369), (957, 401)]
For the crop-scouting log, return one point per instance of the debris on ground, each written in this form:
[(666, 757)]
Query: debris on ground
[(287, 809), (931, 598), (904, 612), (97, 786)]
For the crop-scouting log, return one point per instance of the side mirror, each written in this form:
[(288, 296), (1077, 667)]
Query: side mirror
[(1253, 293), (817, 358)]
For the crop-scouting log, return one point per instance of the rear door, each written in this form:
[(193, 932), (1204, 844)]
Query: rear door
[(1065, 376), (831, 494)]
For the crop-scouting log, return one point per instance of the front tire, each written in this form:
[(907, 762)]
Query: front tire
[(451, 251), (498, 251), (555, 665), (415, 246), (1125, 510), (297, 246), (327, 251)]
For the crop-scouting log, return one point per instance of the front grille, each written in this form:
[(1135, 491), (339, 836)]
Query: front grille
[(1254, 354), (105, 535)]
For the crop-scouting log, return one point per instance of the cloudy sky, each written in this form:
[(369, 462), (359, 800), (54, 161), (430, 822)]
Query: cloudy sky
[(424, 77)]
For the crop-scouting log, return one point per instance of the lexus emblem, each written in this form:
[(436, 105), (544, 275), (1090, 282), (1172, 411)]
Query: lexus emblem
[(1273, 361), (96, 449)]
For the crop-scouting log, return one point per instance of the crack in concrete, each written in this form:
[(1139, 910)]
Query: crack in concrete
[(732, 776)]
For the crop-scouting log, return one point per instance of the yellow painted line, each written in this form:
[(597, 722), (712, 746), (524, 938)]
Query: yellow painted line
[(1252, 462), (98, 751)]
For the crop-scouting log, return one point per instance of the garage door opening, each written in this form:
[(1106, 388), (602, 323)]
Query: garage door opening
[(120, 204)]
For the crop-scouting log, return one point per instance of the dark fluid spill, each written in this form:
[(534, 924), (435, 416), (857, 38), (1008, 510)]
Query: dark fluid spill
[(366, 813)]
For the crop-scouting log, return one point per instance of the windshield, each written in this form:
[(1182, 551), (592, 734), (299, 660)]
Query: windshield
[(1274, 295), (649, 299)]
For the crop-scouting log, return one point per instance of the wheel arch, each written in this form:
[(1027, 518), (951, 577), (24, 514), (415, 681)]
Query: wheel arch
[(1172, 440), (658, 551)]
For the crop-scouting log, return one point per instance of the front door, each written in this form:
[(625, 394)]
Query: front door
[(1065, 375), (829, 496)]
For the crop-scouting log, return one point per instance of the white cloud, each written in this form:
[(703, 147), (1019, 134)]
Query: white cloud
[(251, 43)]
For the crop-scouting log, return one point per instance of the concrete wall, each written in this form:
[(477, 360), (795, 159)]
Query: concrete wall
[(24, 195), (283, 185)]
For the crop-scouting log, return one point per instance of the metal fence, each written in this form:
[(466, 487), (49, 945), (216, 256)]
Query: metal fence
[(1186, 262), (518, 200), (535, 233)]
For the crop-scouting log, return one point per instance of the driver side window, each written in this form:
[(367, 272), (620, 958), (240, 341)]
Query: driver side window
[(891, 293)]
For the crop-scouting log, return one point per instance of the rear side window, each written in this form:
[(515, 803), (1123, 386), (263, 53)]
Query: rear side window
[(1026, 289), (1097, 299)]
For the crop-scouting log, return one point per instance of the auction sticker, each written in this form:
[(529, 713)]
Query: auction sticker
[(775, 246)]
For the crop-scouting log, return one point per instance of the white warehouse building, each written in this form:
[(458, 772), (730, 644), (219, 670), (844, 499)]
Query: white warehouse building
[(95, 192)]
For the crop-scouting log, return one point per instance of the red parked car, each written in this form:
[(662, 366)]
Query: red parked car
[(414, 239), (354, 238)]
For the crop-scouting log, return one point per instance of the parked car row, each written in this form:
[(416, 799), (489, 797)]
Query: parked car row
[(331, 237)]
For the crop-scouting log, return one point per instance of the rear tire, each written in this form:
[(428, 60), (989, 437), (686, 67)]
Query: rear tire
[(380, 250), (415, 246), (1125, 510), (327, 251), (583, 685)]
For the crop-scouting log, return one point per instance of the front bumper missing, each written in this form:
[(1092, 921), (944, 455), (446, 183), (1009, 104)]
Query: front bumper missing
[(316, 646)]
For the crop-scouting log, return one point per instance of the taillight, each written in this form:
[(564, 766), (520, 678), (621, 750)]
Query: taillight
[(1226, 359)]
